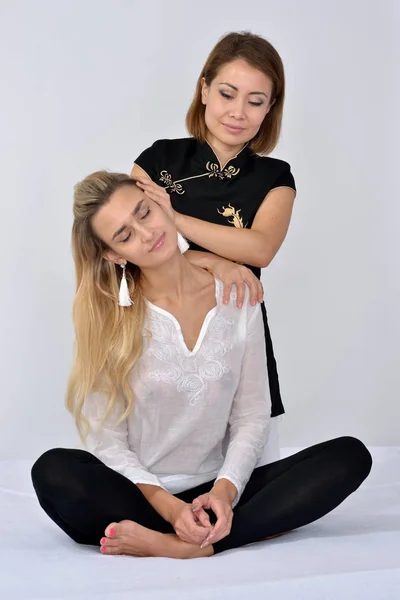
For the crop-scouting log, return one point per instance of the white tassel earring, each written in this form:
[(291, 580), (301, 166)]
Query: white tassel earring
[(124, 298), (182, 243)]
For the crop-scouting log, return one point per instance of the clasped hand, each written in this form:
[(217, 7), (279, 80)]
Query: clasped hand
[(192, 523)]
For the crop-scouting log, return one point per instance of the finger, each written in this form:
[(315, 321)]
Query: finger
[(223, 514), (241, 290), (198, 537), (143, 182), (148, 184), (254, 290), (192, 533), (155, 197), (203, 517), (197, 529), (201, 501), (213, 538), (143, 179), (209, 539), (227, 292), (221, 529), (148, 187), (190, 538), (155, 193), (220, 526), (197, 504)]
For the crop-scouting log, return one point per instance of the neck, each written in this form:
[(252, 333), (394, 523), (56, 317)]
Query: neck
[(168, 281), (224, 152)]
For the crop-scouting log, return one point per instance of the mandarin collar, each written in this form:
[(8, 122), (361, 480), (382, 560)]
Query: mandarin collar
[(207, 154)]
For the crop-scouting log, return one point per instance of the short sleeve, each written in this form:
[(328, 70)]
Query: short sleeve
[(150, 159), (284, 179)]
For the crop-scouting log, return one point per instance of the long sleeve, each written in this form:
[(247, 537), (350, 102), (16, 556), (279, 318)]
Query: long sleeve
[(250, 414), (109, 442)]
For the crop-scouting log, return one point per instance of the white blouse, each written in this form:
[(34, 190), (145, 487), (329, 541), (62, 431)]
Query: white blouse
[(198, 415)]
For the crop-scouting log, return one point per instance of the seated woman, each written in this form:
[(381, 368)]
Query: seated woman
[(169, 391)]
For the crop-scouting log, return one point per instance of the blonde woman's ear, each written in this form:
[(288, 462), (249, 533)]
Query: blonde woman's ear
[(113, 257)]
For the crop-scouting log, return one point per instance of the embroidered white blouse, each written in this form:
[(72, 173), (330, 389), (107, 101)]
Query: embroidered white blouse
[(199, 415)]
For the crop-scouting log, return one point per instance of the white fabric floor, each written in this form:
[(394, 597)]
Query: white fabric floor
[(352, 553)]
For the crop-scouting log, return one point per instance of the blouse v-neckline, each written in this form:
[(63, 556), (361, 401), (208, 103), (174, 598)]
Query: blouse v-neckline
[(204, 327)]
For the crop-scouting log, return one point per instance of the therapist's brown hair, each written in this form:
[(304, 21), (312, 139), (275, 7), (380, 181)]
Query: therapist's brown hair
[(261, 55)]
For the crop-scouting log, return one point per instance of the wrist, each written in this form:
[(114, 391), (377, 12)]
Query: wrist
[(210, 262), (204, 260), (171, 508), (225, 489), (179, 222), (164, 503)]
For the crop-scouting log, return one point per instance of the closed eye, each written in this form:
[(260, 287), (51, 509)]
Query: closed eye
[(225, 95), (130, 233), (127, 238), (229, 97)]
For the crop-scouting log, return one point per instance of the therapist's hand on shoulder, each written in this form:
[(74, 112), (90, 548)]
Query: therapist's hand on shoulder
[(231, 274)]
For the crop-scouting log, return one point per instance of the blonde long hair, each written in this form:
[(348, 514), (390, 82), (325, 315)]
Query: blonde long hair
[(108, 337)]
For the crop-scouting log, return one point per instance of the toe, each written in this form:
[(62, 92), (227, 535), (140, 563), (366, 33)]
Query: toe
[(129, 527), (108, 549), (109, 542), (111, 530)]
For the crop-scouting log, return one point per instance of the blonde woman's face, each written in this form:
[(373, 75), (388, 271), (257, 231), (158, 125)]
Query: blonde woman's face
[(236, 102), (136, 229)]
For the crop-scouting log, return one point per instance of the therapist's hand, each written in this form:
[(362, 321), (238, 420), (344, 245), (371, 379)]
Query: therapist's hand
[(231, 274), (157, 194)]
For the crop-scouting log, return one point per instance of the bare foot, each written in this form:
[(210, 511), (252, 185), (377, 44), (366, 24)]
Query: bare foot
[(128, 537)]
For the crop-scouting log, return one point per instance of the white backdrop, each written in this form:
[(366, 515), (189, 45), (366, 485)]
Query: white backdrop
[(88, 84)]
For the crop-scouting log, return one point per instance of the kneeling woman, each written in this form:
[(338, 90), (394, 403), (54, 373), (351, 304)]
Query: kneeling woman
[(169, 391)]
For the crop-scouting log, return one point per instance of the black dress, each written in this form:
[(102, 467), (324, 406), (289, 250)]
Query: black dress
[(229, 194)]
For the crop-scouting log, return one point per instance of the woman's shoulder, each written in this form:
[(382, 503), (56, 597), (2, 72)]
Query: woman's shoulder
[(273, 172), (271, 163), (167, 145), (243, 313), (163, 154)]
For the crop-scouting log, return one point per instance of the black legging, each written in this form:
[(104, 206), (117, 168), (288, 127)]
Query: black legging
[(83, 496)]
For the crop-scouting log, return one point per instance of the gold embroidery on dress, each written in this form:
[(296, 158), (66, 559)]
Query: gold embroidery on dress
[(167, 179), (230, 211), (213, 170), (216, 171)]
